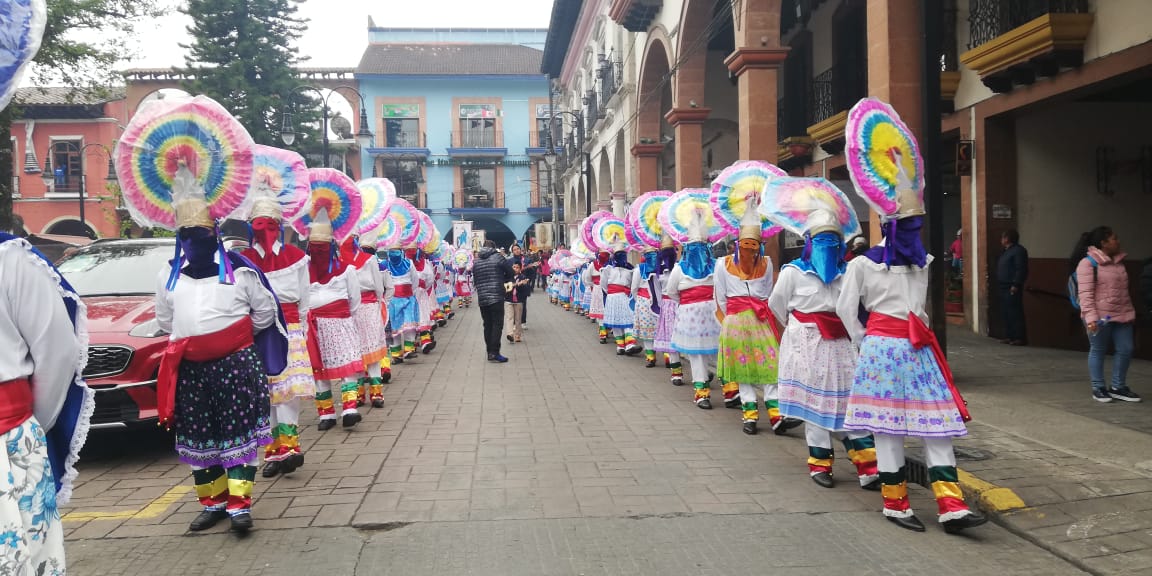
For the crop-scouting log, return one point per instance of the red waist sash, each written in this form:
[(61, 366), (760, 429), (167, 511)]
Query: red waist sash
[(15, 403), (917, 332), (738, 304), (619, 289), (201, 348), (368, 297), (829, 324), (336, 309), (695, 295), (403, 291), (291, 312), (643, 293)]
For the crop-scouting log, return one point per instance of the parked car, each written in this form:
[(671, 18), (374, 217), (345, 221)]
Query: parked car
[(117, 280)]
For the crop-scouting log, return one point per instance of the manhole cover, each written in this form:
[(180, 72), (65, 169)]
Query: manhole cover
[(971, 454)]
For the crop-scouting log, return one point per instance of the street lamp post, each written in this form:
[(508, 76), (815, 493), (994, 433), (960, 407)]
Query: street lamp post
[(49, 176), (288, 126), (550, 160)]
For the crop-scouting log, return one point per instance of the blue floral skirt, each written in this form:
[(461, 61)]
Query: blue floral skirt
[(31, 537), (899, 390)]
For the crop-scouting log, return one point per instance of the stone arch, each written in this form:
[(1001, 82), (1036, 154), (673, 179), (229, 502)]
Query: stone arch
[(654, 80), (70, 226), (619, 166), (604, 179), (696, 16), (495, 230)]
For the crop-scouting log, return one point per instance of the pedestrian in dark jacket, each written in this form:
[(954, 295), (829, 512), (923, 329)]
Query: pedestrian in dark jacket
[(490, 273), (1011, 274)]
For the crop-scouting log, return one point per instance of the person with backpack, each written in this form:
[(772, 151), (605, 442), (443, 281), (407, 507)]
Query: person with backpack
[(1012, 273), (1106, 309)]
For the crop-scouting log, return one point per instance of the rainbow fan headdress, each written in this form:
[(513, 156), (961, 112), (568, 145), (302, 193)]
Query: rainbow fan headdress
[(884, 160), (808, 206)]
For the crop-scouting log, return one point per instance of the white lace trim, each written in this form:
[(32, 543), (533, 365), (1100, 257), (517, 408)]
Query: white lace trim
[(954, 515), (88, 405), (898, 513)]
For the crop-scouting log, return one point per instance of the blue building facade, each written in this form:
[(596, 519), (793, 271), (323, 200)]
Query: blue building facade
[(460, 118)]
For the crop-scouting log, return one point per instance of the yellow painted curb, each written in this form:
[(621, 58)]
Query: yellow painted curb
[(992, 498), (152, 510)]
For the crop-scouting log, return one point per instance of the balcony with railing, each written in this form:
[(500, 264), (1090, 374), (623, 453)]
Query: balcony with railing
[(477, 142), (1015, 41), (405, 140), (591, 110), (610, 76)]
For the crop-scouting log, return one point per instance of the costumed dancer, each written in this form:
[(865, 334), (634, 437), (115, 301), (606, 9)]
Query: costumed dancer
[(443, 291), (616, 285), (903, 386), (282, 185), (334, 297), (226, 332), (817, 360), (691, 285), (645, 316), (359, 254), (644, 232), (594, 294), (665, 308), (403, 309), (425, 280), (44, 406), (748, 342), (463, 262), (212, 388)]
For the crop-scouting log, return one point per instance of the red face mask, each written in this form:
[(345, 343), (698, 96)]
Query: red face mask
[(265, 231)]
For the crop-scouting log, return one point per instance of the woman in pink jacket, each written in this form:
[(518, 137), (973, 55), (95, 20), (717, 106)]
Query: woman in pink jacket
[(1107, 310)]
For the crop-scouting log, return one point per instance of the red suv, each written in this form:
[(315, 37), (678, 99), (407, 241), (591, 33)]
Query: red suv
[(117, 280)]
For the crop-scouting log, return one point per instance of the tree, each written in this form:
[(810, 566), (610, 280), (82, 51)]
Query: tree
[(243, 55), (83, 42)]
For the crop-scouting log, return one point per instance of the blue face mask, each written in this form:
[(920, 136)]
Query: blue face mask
[(825, 256), (697, 261), (648, 264)]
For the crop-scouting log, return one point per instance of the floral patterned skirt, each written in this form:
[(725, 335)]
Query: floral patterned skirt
[(747, 350), (370, 327), (296, 380), (594, 303), (31, 536), (899, 390), (339, 344), (697, 331), (815, 376), (618, 311), (222, 410), (665, 324), (644, 322)]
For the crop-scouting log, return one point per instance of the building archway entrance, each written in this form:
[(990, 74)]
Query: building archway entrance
[(71, 227), (495, 231)]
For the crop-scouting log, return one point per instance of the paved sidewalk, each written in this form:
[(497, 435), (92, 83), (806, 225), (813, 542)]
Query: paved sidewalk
[(566, 460), (1082, 469)]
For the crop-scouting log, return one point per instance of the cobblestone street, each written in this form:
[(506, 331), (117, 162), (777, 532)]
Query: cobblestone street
[(567, 460)]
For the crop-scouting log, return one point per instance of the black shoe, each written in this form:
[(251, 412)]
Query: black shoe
[(242, 522), (1101, 395), (910, 523), (326, 424), (603, 340), (783, 425), (351, 419), (427, 348), (704, 404), (619, 351), (385, 377), (650, 364), (711, 377), (291, 463), (960, 524), (677, 381), (750, 428), (207, 519), (873, 486), (411, 355), (399, 360), (377, 403), (442, 323), (1123, 394), (360, 402), (451, 315), (823, 479), (732, 403), (508, 336), (633, 350), (271, 469)]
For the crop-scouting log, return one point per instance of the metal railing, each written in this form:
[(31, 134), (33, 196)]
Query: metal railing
[(949, 49), (823, 104), (611, 77), (540, 139), (988, 19), (480, 200), (591, 110), (405, 140), (479, 138)]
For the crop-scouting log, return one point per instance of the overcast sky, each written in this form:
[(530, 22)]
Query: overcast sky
[(338, 29)]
